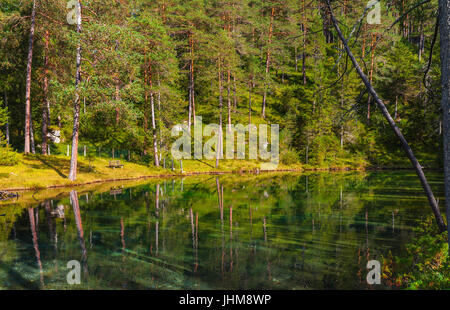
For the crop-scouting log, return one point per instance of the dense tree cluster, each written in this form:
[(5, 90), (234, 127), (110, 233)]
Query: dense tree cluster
[(145, 66)]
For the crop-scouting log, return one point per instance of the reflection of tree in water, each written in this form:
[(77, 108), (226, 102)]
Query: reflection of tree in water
[(283, 232), (80, 231), (34, 237)]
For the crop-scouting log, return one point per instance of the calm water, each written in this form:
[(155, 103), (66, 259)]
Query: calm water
[(270, 232)]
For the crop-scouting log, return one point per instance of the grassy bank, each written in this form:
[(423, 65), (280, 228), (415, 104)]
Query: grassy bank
[(39, 172)]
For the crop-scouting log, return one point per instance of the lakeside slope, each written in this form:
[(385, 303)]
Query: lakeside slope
[(39, 172)]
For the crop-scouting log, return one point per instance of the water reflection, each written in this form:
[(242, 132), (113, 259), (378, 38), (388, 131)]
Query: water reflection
[(37, 253), (261, 232), (80, 233)]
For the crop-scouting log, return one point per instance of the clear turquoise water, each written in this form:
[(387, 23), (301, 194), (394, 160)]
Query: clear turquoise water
[(272, 232)]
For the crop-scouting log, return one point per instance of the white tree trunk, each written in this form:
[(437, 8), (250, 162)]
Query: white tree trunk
[(76, 113)]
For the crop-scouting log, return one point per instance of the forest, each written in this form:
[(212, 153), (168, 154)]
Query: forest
[(133, 69), (352, 85)]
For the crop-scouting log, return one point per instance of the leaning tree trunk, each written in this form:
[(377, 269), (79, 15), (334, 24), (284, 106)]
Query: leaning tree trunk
[(380, 103), (28, 81), (76, 112), (444, 25)]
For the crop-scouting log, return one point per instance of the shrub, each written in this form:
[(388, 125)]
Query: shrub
[(289, 157), (8, 157), (425, 265)]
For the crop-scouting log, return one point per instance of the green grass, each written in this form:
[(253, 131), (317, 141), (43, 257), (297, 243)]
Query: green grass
[(38, 171)]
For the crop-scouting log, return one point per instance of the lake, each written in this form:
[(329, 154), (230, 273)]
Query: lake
[(268, 231)]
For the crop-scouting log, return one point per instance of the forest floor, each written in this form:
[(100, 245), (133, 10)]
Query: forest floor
[(39, 172)]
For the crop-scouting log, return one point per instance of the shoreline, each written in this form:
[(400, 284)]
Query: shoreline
[(50, 172), (196, 173), (172, 175)]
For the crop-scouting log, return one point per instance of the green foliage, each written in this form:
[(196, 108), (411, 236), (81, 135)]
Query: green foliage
[(3, 114), (8, 157), (426, 258), (142, 58), (289, 157)]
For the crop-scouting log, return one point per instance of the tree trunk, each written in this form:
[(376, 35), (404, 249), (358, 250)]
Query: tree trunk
[(155, 141), (266, 84), (160, 122), (190, 102), (380, 103), (117, 98), (152, 107), (145, 108), (219, 143), (229, 99), (7, 120), (444, 25), (304, 68), (342, 107), (396, 108), (46, 105), (28, 81), (421, 41), (250, 102), (192, 81), (372, 49), (191, 113), (307, 152), (304, 43), (234, 94), (33, 148), (76, 113)]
